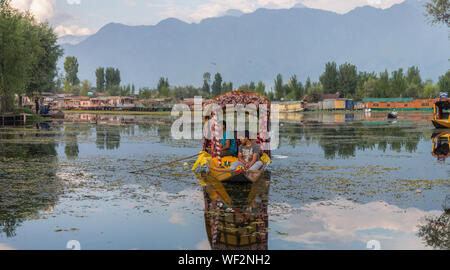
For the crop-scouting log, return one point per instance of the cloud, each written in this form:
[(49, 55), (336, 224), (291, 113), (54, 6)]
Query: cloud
[(74, 30), (214, 8), (74, 2), (203, 245), (344, 6), (5, 247), (130, 2), (340, 221), (41, 9), (177, 218)]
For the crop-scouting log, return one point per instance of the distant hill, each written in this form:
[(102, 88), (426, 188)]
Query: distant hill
[(256, 46)]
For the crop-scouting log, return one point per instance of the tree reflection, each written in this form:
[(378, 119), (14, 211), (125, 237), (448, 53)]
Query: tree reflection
[(28, 177), (436, 232), (108, 137), (344, 140)]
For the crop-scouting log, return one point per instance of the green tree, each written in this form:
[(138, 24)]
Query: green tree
[(398, 84), (86, 87), (244, 87), (252, 86), (438, 11), (413, 76), (261, 88), (307, 85), (315, 92), (329, 78), (382, 86), (444, 82), (279, 87), (20, 52), (100, 76), (44, 69), (295, 89), (347, 79), (430, 90), (116, 77), (163, 87), (109, 78), (217, 85), (206, 83), (71, 68), (369, 88)]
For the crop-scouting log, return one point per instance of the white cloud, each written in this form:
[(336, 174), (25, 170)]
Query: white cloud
[(42, 9), (214, 8), (74, 2), (74, 30), (177, 218), (5, 247), (342, 221), (130, 2), (344, 6), (203, 245)]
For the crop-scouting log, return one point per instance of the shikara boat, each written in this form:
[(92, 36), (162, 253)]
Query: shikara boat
[(392, 115), (218, 166), (441, 117), (441, 145)]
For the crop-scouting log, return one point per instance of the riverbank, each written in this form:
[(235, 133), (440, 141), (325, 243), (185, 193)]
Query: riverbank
[(116, 112)]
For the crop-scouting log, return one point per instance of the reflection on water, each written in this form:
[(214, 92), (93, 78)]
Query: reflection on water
[(236, 213), (28, 182), (436, 231), (337, 181), (441, 146)]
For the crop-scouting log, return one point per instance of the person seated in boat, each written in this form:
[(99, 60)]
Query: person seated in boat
[(249, 155), (228, 145), (207, 134)]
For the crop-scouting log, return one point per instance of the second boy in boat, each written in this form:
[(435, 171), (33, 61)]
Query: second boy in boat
[(249, 155), (228, 143)]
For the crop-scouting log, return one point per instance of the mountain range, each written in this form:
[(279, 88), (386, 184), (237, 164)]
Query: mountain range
[(255, 46)]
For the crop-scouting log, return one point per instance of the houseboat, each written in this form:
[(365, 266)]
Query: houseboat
[(398, 104)]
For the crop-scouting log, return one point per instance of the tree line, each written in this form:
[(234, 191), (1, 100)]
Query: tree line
[(28, 55)]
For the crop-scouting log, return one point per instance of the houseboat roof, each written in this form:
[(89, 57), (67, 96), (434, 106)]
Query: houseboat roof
[(388, 99)]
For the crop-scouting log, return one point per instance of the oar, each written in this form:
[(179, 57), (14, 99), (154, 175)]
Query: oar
[(165, 164)]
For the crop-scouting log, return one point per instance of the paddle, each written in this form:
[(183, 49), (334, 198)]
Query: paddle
[(165, 164)]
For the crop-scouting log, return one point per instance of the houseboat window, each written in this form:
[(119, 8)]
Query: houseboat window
[(406, 105), (375, 105), (425, 104), (389, 105)]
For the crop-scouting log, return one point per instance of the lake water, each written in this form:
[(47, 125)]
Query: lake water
[(337, 181)]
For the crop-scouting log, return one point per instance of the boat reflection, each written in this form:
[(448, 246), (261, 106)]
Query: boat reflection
[(236, 213), (441, 145)]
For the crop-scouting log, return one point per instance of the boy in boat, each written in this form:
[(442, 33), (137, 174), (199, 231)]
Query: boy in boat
[(228, 146), (249, 155)]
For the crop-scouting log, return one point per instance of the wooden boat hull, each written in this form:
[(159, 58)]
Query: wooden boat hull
[(227, 175), (441, 123)]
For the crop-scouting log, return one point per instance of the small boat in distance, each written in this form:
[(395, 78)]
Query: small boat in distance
[(441, 117), (392, 115)]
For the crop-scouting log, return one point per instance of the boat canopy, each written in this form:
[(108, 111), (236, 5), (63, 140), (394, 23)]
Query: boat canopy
[(241, 98), (441, 105)]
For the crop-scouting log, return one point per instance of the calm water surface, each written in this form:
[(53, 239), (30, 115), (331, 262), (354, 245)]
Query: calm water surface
[(336, 182)]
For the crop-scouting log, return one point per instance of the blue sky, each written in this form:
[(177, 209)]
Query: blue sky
[(81, 17)]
